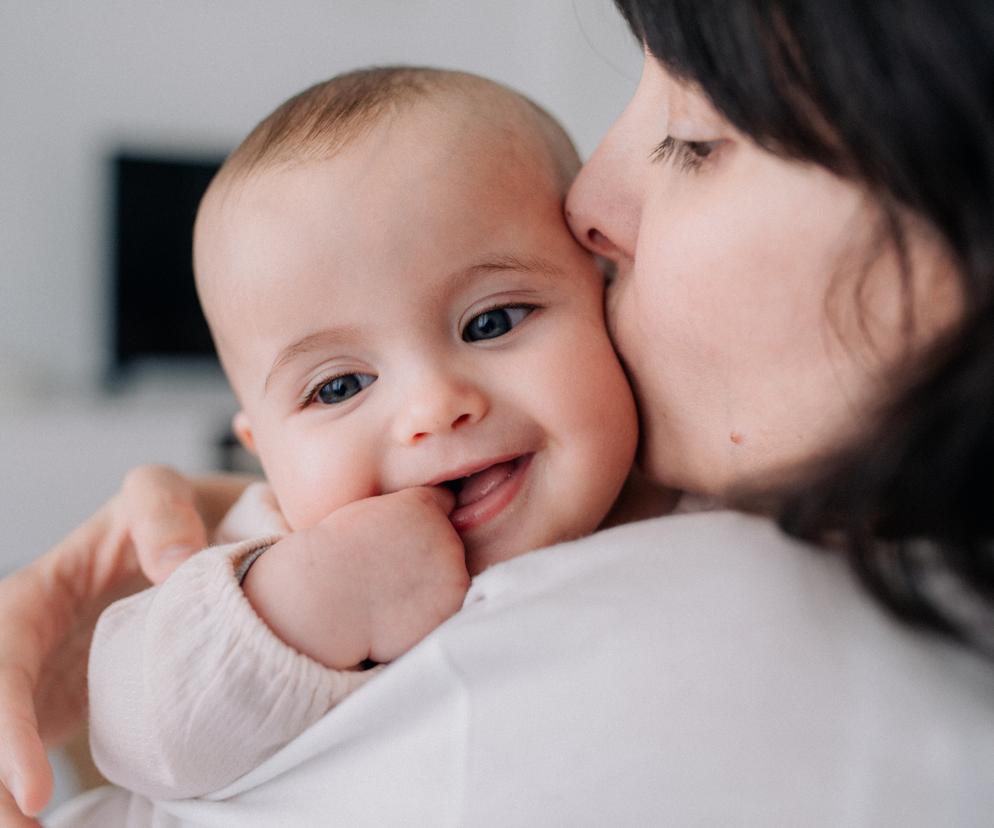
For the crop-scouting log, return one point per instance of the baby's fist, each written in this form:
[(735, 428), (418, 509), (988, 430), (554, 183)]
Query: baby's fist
[(368, 582), (414, 564)]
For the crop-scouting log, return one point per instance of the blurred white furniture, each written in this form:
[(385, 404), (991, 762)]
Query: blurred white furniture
[(65, 454)]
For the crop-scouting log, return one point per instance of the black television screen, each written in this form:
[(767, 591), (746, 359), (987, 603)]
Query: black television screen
[(156, 314)]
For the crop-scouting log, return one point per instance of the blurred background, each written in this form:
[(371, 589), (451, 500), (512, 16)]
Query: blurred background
[(113, 116)]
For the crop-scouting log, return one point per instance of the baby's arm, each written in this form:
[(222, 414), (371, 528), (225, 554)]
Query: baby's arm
[(190, 689)]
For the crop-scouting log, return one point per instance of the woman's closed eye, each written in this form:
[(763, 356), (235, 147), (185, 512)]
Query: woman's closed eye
[(495, 322), (689, 155), (338, 389)]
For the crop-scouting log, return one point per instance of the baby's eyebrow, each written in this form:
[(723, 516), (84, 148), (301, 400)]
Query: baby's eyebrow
[(312, 342), (526, 264)]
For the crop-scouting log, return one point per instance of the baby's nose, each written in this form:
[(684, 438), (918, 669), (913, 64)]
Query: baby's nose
[(437, 405)]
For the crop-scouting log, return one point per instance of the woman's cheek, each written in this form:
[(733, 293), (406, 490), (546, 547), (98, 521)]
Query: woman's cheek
[(650, 359), (623, 325)]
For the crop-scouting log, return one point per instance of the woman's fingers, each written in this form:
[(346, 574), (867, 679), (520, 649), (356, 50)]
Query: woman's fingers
[(24, 767), (11, 816), (47, 613), (160, 510), (48, 609)]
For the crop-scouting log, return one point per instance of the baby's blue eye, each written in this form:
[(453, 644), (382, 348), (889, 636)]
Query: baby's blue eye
[(343, 388), (494, 323)]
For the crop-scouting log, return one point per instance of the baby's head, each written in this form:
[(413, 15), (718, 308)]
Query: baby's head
[(397, 301)]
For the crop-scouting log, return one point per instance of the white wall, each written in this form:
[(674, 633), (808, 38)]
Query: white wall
[(79, 78)]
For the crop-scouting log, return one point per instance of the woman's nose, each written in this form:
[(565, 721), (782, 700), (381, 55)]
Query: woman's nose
[(604, 205), (438, 403)]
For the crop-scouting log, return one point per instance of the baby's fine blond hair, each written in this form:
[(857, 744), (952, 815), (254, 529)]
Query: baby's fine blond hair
[(318, 122)]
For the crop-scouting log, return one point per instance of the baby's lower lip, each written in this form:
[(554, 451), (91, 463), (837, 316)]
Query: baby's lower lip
[(465, 518)]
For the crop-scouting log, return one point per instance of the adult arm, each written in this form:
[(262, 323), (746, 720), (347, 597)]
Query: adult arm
[(48, 610)]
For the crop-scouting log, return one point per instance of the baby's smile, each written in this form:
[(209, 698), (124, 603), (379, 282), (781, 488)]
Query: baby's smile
[(483, 494)]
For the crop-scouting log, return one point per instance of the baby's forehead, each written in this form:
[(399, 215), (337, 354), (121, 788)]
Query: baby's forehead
[(462, 112), (448, 141)]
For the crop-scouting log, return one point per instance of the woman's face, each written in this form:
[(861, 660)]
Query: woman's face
[(734, 307)]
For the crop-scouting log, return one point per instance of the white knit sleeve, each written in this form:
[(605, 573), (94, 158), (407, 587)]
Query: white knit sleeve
[(189, 689)]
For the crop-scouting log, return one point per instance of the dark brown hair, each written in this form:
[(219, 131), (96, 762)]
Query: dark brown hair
[(899, 97)]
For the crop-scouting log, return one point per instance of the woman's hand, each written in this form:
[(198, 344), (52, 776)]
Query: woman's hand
[(48, 610)]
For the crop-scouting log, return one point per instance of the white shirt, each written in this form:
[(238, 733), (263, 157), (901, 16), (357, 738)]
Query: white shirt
[(692, 670)]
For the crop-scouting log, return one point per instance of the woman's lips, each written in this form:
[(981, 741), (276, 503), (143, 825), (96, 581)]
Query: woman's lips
[(486, 494)]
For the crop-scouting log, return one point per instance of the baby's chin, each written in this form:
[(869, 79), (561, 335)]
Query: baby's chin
[(482, 556), (478, 560)]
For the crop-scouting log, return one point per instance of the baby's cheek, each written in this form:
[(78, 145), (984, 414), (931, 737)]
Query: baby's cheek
[(609, 393), (612, 409), (593, 430), (597, 406), (320, 480)]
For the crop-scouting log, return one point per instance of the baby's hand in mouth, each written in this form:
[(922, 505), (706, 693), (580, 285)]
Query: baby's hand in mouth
[(368, 582)]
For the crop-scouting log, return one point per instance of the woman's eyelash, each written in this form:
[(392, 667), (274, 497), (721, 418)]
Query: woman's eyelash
[(689, 155)]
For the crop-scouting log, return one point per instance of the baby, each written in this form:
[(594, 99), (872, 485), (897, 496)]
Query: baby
[(419, 350)]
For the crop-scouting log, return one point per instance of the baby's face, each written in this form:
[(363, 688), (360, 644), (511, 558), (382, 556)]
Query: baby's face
[(415, 311)]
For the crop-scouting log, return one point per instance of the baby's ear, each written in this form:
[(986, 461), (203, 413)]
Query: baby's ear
[(243, 431)]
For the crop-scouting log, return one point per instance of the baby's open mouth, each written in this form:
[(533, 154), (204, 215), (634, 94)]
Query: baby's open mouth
[(476, 486)]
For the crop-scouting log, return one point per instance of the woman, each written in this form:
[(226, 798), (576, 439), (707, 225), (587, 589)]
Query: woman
[(799, 201)]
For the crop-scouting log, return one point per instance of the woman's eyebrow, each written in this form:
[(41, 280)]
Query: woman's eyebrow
[(319, 339)]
